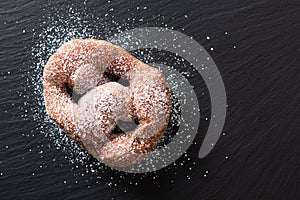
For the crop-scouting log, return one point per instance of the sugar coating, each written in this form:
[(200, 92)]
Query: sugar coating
[(82, 65)]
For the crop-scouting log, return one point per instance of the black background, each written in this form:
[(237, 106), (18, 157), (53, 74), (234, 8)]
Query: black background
[(257, 158)]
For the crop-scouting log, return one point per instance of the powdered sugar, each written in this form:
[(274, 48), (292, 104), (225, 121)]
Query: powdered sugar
[(81, 64)]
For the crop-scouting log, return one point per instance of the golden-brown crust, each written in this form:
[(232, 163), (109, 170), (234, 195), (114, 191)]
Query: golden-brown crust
[(82, 64)]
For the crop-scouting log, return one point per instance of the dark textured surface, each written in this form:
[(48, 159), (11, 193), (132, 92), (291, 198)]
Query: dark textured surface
[(261, 77)]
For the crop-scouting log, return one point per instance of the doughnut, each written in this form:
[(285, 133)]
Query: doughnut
[(85, 66)]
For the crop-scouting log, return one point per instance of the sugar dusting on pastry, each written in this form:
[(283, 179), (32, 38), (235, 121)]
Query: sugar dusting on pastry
[(82, 64)]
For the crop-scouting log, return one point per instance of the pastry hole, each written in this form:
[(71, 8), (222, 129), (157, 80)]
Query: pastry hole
[(126, 126), (114, 78), (74, 96), (69, 90), (123, 82), (123, 127)]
